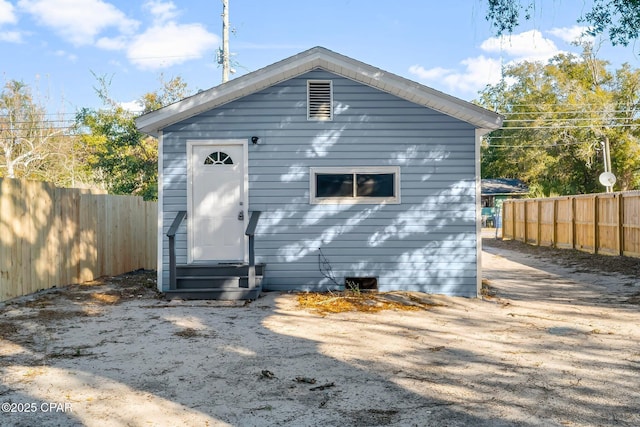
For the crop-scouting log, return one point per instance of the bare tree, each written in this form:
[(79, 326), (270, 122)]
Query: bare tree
[(27, 138)]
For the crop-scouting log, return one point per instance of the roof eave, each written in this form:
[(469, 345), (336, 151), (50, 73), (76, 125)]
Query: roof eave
[(234, 89), (318, 57)]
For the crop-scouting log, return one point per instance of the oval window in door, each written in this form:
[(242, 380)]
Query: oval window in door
[(218, 158)]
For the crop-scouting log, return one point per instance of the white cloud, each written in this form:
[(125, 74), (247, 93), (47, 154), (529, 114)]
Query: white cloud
[(162, 11), (479, 72), (99, 23), (78, 21), (10, 36), (571, 34), (170, 44), (166, 42), (430, 74), (132, 106), (527, 46), (476, 72), (7, 14)]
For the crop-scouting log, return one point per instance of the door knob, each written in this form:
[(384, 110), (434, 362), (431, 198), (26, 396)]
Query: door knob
[(241, 216)]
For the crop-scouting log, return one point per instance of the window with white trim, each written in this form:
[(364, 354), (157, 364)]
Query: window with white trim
[(319, 100), (344, 185)]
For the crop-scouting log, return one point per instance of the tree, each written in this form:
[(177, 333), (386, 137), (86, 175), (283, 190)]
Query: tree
[(557, 116), (171, 91), (619, 19), (122, 158), (34, 145)]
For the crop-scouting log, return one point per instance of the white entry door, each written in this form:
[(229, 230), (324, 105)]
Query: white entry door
[(217, 201)]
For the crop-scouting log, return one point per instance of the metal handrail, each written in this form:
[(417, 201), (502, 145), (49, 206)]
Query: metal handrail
[(171, 234), (253, 223), (176, 223), (251, 231)]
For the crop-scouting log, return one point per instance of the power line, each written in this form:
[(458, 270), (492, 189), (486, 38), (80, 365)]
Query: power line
[(37, 123), (533, 112), (551, 121), (533, 145), (561, 104), (610, 125)]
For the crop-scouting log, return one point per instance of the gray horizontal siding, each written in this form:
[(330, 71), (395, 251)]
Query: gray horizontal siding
[(427, 243)]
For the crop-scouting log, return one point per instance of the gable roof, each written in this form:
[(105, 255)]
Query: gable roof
[(319, 57), (503, 187)]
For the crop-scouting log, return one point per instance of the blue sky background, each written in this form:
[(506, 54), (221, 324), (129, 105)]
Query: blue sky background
[(55, 45)]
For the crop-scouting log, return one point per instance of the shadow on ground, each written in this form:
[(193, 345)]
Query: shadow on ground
[(535, 350)]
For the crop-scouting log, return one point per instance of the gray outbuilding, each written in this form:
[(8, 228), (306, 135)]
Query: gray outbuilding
[(316, 172)]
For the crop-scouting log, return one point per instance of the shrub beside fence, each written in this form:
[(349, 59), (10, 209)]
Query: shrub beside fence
[(606, 223), (53, 236)]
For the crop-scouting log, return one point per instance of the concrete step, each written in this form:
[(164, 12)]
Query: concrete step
[(217, 270), (214, 294), (214, 281)]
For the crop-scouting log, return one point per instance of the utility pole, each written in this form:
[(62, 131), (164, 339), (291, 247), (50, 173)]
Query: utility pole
[(225, 41)]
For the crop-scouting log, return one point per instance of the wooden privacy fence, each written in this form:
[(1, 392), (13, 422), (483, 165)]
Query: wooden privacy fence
[(53, 236), (606, 223)]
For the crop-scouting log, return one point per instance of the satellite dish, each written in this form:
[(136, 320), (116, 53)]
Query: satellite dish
[(607, 179)]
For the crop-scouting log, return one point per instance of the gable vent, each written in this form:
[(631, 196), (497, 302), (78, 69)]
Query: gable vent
[(319, 100)]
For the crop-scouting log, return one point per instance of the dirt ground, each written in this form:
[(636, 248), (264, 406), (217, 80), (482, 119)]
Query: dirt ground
[(554, 341)]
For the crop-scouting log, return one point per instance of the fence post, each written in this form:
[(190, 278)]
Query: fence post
[(595, 224), (539, 222), (554, 224), (526, 222), (620, 224), (504, 218), (513, 220), (573, 222)]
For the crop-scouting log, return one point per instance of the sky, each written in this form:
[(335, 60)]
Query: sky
[(58, 47)]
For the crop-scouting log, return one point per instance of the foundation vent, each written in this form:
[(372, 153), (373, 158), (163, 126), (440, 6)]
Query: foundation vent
[(361, 283)]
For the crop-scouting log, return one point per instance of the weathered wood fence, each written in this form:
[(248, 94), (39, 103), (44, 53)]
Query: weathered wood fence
[(53, 236), (606, 223)]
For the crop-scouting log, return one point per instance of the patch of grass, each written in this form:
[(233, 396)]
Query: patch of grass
[(487, 291), (366, 302), (107, 297)]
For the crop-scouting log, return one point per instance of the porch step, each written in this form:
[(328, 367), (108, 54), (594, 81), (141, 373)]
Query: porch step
[(217, 270), (216, 281), (222, 282), (214, 294)]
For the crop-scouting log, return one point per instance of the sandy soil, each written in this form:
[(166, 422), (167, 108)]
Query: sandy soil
[(551, 343)]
